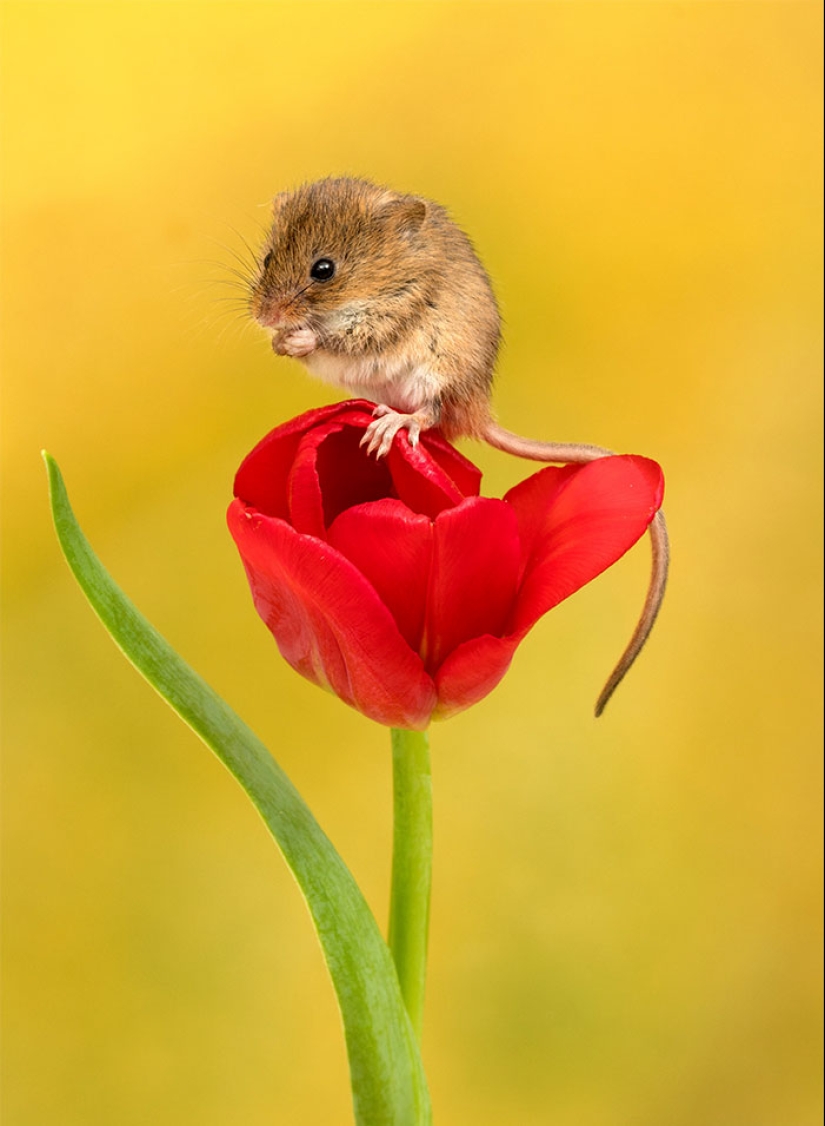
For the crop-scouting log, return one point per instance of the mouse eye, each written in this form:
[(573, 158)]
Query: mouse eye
[(267, 262), (322, 270)]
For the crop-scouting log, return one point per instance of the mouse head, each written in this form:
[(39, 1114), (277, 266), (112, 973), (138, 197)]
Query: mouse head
[(342, 252)]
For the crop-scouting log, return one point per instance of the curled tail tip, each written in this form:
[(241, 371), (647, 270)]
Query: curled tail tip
[(604, 699), (653, 604)]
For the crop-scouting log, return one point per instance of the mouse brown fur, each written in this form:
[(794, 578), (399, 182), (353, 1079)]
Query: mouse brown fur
[(382, 294), (408, 319)]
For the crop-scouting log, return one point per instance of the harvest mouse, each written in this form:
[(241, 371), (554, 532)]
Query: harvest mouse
[(382, 294)]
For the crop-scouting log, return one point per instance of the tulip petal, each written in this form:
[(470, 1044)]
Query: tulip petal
[(329, 622), (476, 564), (577, 521), (532, 500), (305, 500), (465, 475), (298, 463), (330, 474), (471, 672), (419, 480), (392, 547), (262, 477)]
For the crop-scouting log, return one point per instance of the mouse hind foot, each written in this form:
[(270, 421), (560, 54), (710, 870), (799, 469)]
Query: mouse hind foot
[(386, 423)]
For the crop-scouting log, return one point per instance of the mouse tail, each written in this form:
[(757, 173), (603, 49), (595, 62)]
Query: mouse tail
[(574, 454), (660, 546), (568, 453)]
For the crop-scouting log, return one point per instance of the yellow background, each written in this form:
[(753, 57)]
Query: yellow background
[(625, 917)]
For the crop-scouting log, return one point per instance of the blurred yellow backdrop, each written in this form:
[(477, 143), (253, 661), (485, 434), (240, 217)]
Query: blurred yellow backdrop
[(625, 919)]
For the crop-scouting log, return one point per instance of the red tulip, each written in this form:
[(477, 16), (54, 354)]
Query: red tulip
[(393, 583)]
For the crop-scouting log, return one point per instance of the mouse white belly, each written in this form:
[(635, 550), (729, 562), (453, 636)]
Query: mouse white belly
[(395, 381)]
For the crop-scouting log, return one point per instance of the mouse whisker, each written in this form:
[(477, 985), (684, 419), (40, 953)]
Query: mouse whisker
[(253, 253), (249, 268)]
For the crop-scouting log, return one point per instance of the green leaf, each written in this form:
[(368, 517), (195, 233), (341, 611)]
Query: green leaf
[(388, 1083)]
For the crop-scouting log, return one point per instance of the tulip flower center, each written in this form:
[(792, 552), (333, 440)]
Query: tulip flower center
[(347, 476)]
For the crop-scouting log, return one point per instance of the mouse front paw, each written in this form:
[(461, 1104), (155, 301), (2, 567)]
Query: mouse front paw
[(296, 342)]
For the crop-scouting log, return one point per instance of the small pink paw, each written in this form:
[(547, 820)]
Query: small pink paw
[(296, 342)]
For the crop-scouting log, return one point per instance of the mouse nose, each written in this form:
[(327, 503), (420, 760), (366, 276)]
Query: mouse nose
[(276, 314)]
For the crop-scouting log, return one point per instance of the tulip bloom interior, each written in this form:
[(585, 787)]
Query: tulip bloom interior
[(396, 585)]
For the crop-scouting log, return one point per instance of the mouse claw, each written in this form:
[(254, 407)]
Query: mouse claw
[(370, 439)]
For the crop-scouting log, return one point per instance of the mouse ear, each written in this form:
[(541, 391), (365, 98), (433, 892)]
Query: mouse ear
[(407, 212)]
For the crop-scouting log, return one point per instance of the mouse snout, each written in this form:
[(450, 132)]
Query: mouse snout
[(277, 314)]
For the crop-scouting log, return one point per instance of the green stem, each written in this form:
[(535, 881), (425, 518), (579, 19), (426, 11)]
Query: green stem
[(388, 1084), (412, 850)]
